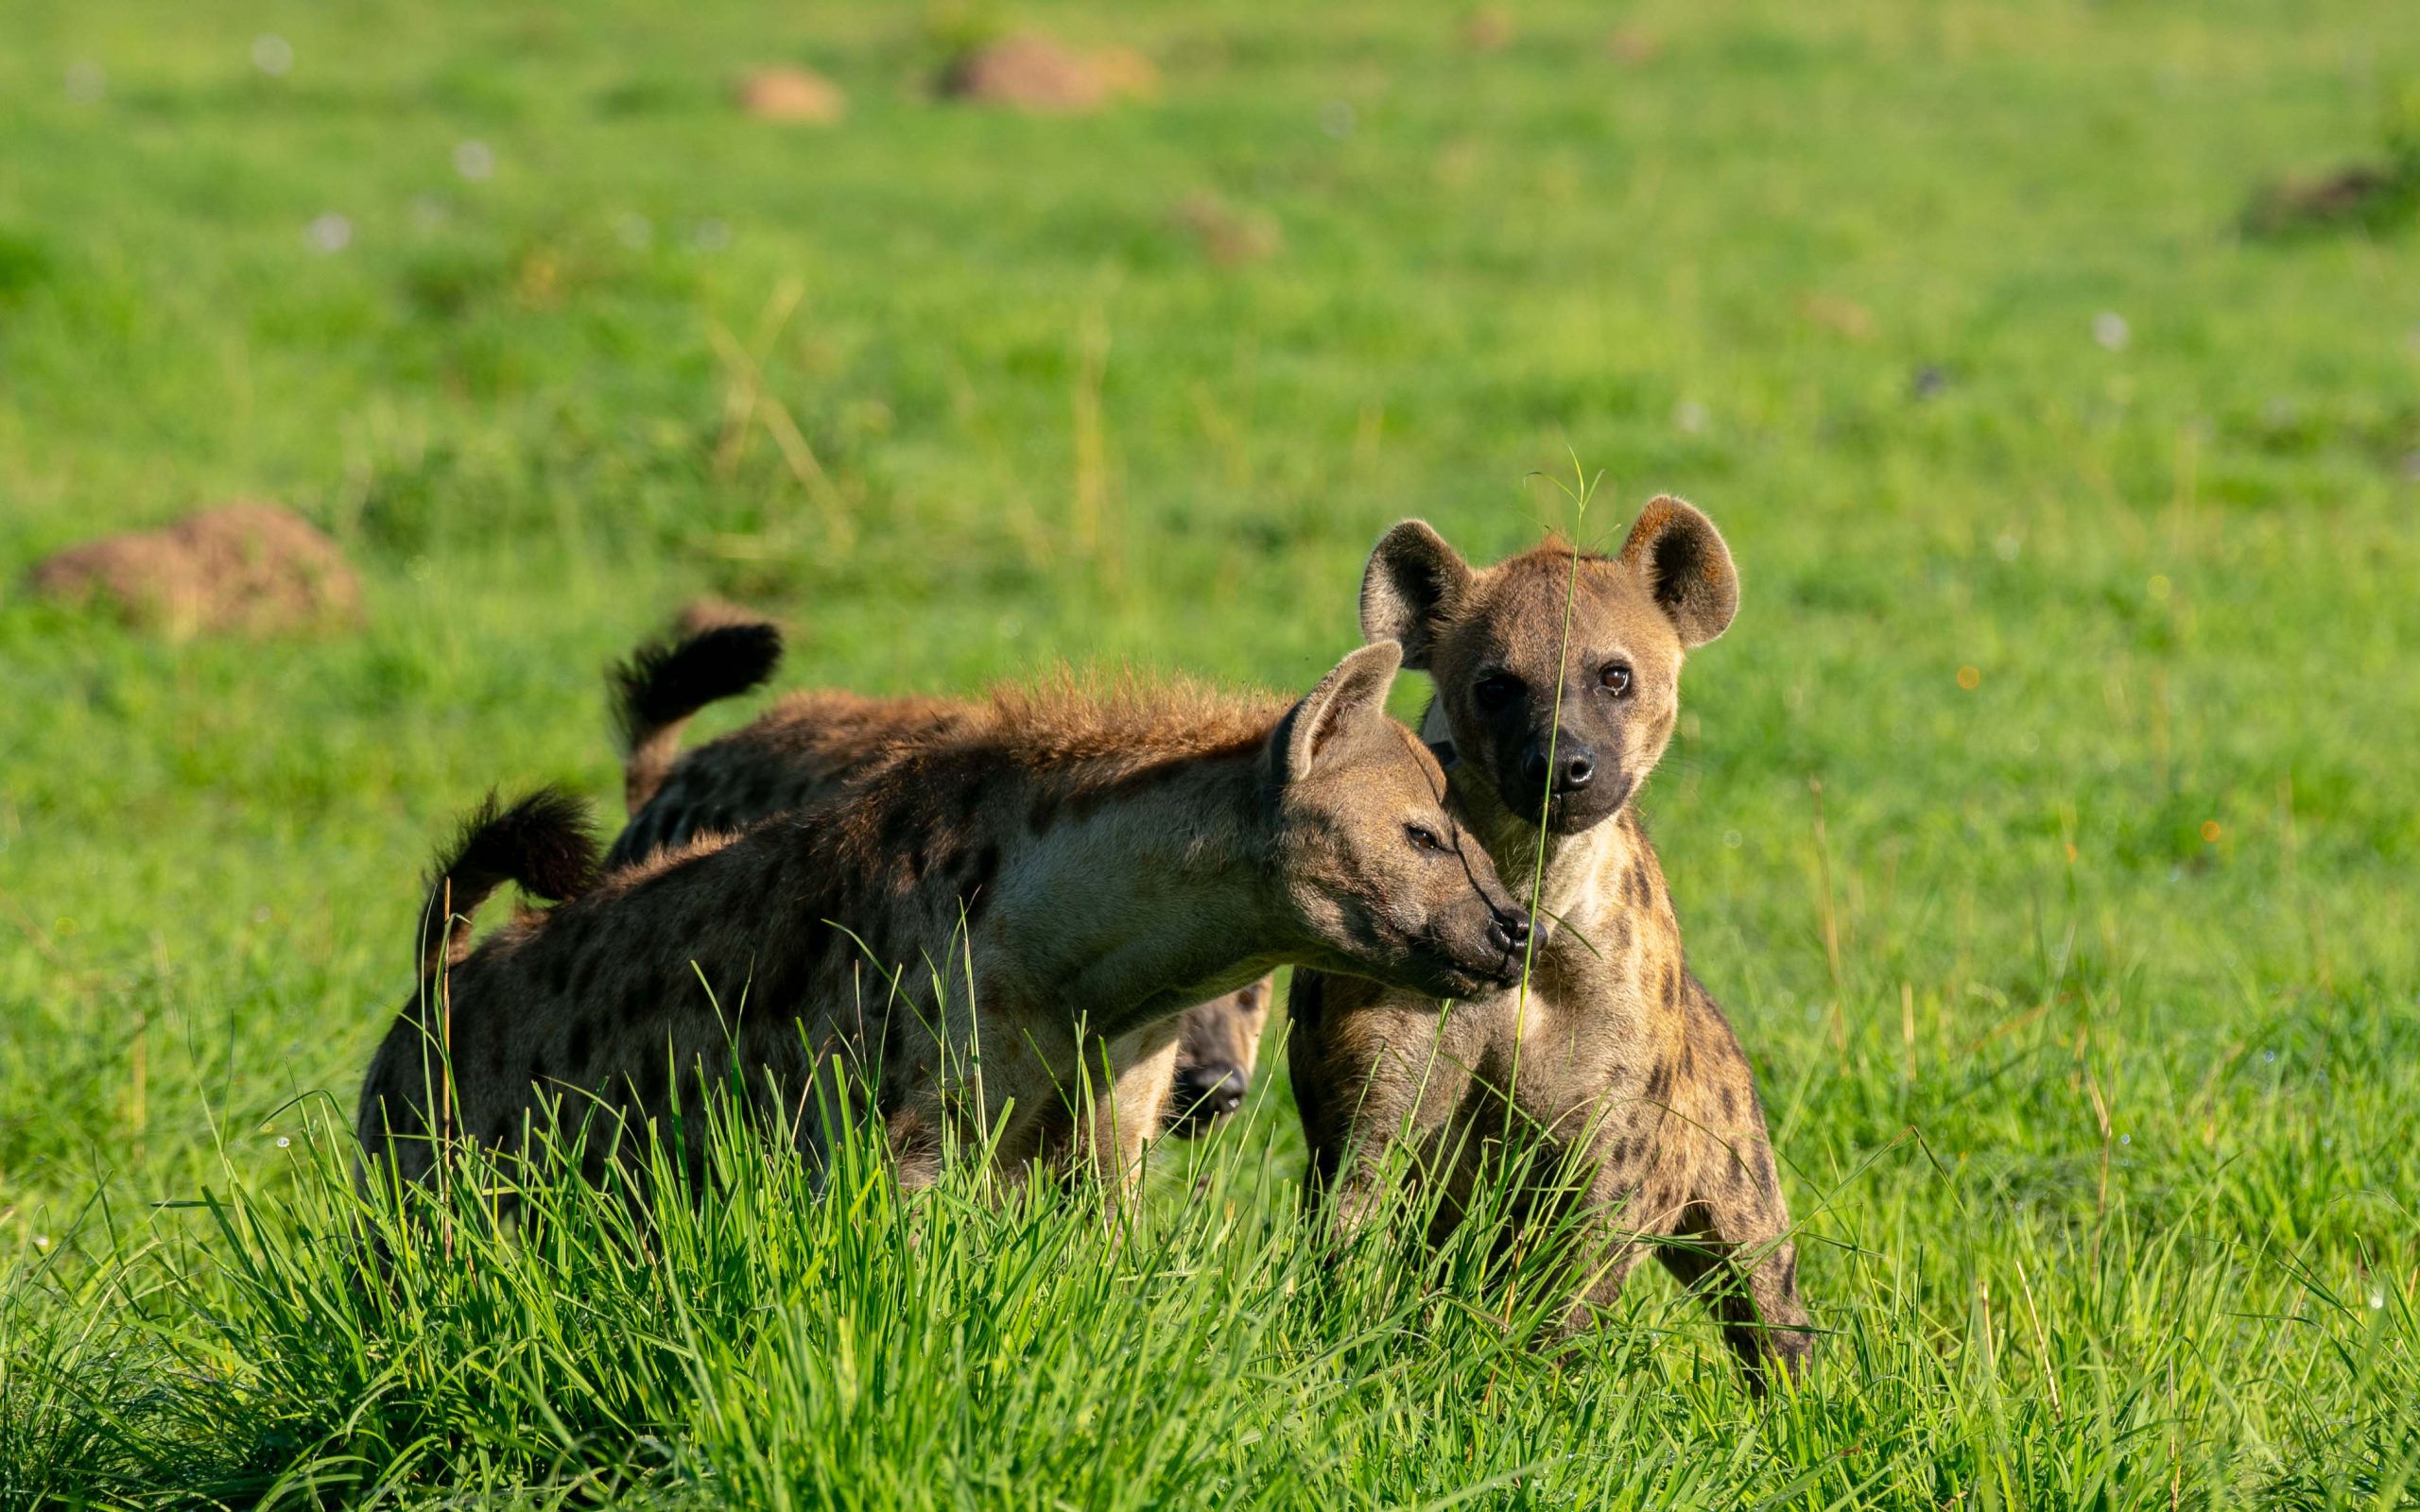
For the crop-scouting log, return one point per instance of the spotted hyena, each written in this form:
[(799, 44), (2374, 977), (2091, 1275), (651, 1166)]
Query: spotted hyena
[(812, 747), (1557, 685), (994, 936)]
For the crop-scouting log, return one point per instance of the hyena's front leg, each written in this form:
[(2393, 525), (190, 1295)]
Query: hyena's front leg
[(1731, 1243), (1332, 1093), (1369, 1075), (1731, 1249), (1627, 1199), (1127, 1114)]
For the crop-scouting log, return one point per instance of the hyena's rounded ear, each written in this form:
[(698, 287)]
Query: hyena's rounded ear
[(1680, 556), (1410, 586), (1357, 688)]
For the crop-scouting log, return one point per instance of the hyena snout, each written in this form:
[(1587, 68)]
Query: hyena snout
[(1507, 933), (1206, 1091), (1573, 781), (1495, 940), (1560, 764)]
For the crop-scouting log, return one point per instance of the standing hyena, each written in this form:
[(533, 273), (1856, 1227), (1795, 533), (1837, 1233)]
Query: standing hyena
[(1077, 869), (811, 748), (1558, 680)]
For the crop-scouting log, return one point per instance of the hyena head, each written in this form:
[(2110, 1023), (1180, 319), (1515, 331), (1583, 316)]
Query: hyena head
[(1217, 1042), (1557, 672), (1372, 866)]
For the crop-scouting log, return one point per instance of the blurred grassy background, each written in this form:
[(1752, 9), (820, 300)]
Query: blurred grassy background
[(1941, 311)]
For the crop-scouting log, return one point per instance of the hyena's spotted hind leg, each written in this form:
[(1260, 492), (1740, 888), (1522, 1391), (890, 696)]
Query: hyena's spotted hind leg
[(1747, 1275), (1732, 1244)]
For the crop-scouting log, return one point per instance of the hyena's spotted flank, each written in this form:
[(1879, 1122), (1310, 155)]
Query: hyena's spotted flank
[(815, 746), (1615, 1057), (1075, 870)]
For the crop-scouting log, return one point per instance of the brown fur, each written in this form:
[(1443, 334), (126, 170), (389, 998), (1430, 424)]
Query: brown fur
[(994, 933), (1615, 1058), (813, 748)]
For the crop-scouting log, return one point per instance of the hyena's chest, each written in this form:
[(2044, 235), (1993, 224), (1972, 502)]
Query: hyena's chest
[(1594, 1052)]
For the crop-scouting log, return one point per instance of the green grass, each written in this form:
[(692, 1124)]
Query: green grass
[(2105, 1136)]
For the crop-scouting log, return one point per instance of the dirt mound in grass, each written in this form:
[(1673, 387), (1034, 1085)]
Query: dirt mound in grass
[(1488, 29), (2365, 194), (791, 96), (1041, 77), (1229, 235), (251, 567), (1633, 48)]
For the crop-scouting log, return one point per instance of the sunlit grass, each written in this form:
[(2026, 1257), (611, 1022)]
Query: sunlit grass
[(2076, 550)]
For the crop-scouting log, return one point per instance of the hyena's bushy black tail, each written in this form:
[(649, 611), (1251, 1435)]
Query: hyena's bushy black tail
[(716, 652), (543, 843)]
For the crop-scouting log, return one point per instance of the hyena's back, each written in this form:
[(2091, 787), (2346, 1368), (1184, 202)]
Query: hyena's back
[(808, 748)]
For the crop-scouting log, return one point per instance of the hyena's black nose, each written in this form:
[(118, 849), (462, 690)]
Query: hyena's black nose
[(1204, 1094), (1573, 766), (1509, 933)]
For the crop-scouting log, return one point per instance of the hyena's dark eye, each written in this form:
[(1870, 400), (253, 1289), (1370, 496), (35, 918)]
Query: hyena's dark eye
[(1494, 692), (1423, 840), (1615, 679)]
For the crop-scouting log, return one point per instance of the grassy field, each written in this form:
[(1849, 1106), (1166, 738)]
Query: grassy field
[(2049, 822)]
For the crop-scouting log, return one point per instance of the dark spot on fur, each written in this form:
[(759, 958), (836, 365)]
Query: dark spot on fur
[(815, 938), (559, 972), (1085, 802), (982, 867), (1043, 812), (787, 979), (537, 1067), (1671, 986), (902, 827), (584, 1042), (650, 1083), (1659, 1081), (637, 998)]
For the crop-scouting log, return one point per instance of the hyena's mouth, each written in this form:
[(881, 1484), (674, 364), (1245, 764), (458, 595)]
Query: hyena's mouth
[(1568, 813)]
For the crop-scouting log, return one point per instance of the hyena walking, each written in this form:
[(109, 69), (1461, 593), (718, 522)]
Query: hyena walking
[(1077, 869), (1557, 684), (813, 747)]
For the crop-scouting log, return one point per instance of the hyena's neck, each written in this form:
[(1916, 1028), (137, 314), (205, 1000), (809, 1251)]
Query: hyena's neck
[(1148, 894)]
